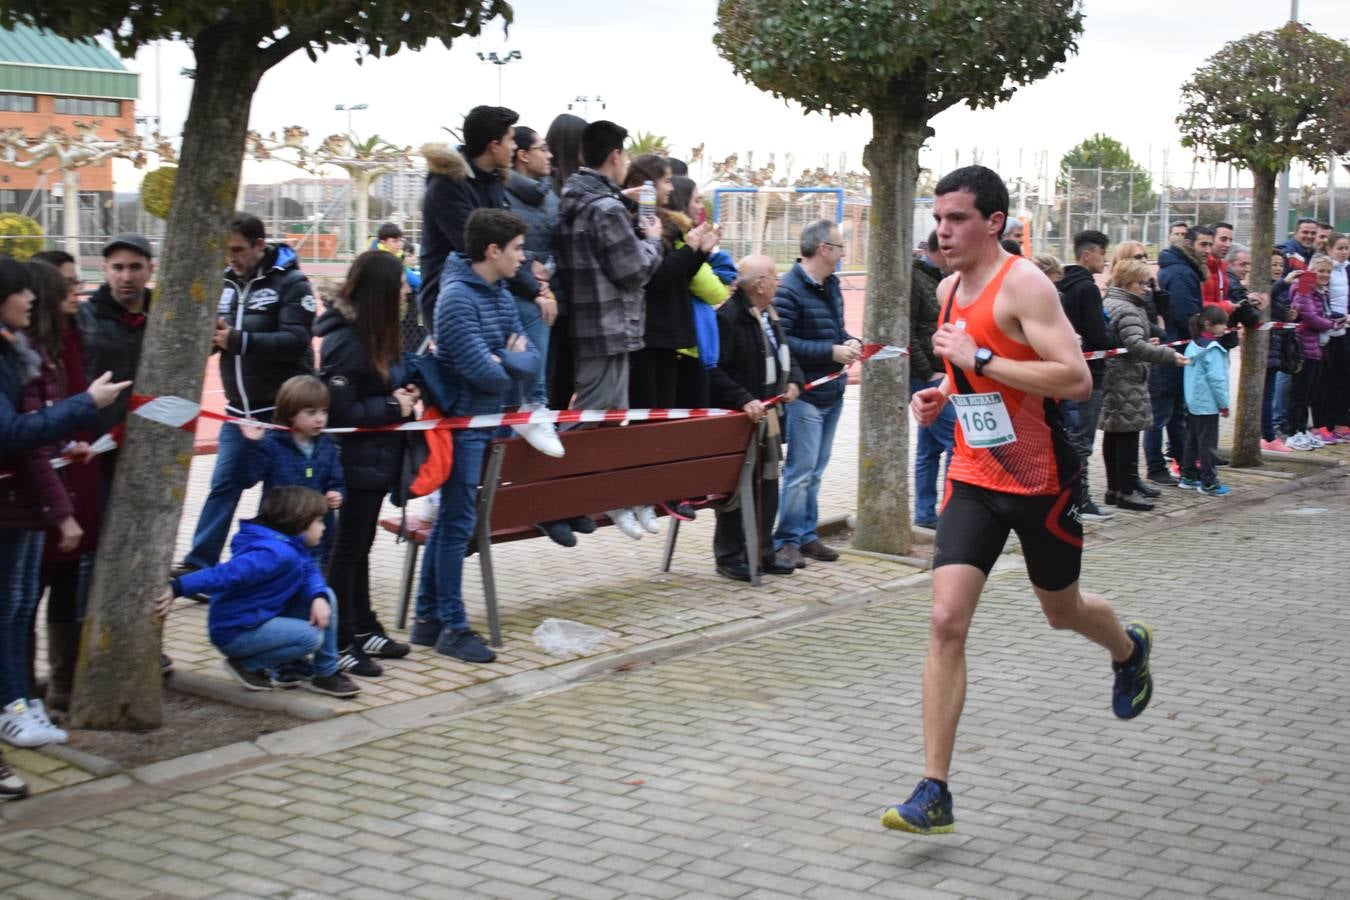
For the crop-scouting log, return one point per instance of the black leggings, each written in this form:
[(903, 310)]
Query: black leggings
[(349, 568), (652, 382), (1330, 400), (1120, 452), (1302, 393)]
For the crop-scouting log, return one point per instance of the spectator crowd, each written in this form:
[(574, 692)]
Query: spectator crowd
[(554, 272)]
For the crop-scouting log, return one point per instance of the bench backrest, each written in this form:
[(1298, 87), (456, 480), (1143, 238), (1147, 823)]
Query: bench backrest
[(612, 467)]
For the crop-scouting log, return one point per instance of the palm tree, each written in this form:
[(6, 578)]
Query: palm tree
[(649, 142)]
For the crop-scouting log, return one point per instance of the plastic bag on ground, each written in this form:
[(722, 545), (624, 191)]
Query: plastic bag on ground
[(563, 637)]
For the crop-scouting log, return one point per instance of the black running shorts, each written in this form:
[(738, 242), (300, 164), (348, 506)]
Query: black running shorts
[(974, 525)]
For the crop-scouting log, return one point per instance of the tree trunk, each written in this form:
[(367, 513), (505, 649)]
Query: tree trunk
[(1255, 346), (892, 158), (70, 199), (117, 681)]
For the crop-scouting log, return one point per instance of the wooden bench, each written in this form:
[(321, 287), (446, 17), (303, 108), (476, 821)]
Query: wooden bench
[(604, 468)]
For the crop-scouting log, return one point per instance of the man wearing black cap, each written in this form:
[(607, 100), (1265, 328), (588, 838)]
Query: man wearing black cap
[(112, 323)]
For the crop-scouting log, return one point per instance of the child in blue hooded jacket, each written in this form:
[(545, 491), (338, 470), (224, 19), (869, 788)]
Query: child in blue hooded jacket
[(270, 607), (1205, 382)]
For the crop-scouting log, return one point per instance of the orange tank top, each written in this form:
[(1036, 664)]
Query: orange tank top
[(1006, 440)]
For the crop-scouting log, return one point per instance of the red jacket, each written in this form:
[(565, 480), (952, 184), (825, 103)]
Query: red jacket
[(1214, 290)]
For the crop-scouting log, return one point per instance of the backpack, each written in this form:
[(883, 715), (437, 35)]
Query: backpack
[(425, 462), (1291, 353)]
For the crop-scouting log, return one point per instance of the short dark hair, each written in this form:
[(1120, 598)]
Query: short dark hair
[(1011, 246), (1305, 220), (991, 194), (490, 226), (1217, 225), (1179, 223), (291, 509), (388, 230), (932, 241), (1196, 230), (14, 277), (56, 258), (485, 124), (249, 227), (300, 392), (1089, 238), (599, 140), (526, 137), (1324, 225), (677, 166)]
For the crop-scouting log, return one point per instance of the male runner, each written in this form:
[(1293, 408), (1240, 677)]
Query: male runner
[(1009, 353)]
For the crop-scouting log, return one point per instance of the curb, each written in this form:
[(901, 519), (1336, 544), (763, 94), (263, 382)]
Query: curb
[(291, 702)]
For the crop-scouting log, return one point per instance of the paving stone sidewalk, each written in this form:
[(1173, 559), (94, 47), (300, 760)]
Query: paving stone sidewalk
[(759, 769)]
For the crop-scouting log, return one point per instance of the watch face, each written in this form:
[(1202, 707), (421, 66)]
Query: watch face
[(984, 354)]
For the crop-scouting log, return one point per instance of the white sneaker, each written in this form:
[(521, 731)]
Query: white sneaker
[(625, 521), (12, 786), (39, 712), (542, 436), (19, 728), (1307, 442), (647, 518)]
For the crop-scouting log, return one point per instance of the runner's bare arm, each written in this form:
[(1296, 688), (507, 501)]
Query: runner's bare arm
[(1030, 301)]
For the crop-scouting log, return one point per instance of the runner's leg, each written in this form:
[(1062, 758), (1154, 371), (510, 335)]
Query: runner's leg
[(956, 590), (1088, 614)]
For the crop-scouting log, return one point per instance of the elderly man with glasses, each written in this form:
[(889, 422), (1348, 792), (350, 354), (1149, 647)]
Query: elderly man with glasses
[(810, 305)]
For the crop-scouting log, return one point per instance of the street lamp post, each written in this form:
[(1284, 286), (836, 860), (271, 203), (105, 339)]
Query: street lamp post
[(586, 103), (351, 108), (500, 61)]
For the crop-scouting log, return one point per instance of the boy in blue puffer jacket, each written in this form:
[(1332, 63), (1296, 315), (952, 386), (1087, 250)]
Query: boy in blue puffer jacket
[(1206, 385), (483, 355), (270, 607), (303, 456)]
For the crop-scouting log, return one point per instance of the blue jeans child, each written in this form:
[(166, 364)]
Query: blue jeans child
[(934, 440), (440, 593), (213, 524), (288, 639)]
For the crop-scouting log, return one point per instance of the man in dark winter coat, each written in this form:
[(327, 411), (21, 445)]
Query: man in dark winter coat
[(811, 305), (925, 371), (262, 336), (753, 365), (460, 181), (1182, 272), (1082, 301), (112, 322)]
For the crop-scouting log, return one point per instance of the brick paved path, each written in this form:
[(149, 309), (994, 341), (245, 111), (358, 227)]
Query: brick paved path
[(758, 769)]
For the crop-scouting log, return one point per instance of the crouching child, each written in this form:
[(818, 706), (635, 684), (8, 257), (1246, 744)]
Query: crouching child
[(271, 612)]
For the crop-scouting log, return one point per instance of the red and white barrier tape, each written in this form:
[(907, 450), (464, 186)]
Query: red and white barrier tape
[(1121, 351)]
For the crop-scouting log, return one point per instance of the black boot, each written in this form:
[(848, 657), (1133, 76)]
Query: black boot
[(63, 649)]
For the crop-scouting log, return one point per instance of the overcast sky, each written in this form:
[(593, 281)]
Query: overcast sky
[(656, 68)]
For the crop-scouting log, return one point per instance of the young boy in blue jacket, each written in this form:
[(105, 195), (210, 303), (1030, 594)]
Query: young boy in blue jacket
[(303, 456), (483, 354), (270, 607), (1206, 385)]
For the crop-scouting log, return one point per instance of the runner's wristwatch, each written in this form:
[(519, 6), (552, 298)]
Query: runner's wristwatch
[(982, 357)]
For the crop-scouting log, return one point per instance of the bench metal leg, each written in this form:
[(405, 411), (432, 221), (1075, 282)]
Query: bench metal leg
[(672, 533), (745, 487), (483, 535), (409, 574)]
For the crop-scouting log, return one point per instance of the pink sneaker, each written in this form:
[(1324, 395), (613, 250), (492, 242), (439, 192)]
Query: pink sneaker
[(1275, 446), (1325, 436)]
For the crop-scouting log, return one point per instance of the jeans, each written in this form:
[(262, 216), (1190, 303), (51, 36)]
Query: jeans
[(213, 525), (1084, 433), (20, 560), (934, 441), (1279, 405), (532, 323), (288, 638), (1169, 411), (810, 437), (440, 594)]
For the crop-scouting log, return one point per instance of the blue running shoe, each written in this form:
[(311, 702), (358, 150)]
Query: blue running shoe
[(927, 811), (1134, 683), (1215, 490), (1188, 484)]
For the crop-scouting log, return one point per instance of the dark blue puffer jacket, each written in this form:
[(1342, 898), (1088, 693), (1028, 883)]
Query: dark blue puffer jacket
[(474, 320), (1181, 276), (813, 317)]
